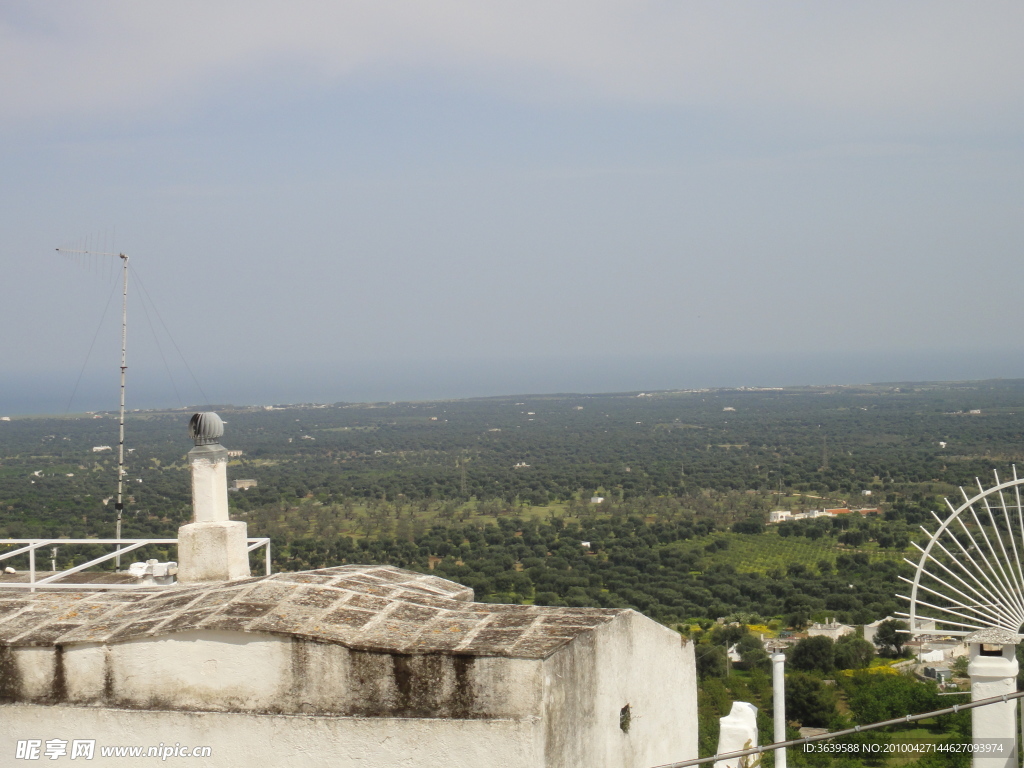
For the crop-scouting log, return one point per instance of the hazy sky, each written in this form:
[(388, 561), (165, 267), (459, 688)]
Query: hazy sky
[(350, 200)]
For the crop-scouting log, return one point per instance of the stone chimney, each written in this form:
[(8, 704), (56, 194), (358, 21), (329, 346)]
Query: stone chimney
[(212, 547), (993, 669)]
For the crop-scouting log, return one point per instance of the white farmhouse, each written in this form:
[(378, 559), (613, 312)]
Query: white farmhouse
[(832, 629)]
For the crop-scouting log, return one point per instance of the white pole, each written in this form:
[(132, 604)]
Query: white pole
[(779, 705)]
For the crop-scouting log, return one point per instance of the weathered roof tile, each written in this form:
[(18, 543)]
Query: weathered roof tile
[(375, 608)]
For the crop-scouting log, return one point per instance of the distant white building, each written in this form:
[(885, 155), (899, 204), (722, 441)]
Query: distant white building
[(596, 499), (782, 516), (101, 448), (951, 649), (241, 485), (870, 630), (833, 630)]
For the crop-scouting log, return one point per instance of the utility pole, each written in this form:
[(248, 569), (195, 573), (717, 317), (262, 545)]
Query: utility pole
[(119, 504)]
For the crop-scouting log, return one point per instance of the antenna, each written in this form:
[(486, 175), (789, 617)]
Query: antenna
[(119, 505)]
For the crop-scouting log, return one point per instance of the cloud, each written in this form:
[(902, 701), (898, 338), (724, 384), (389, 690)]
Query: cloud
[(914, 60)]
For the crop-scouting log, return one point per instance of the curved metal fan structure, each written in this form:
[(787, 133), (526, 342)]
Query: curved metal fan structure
[(969, 576)]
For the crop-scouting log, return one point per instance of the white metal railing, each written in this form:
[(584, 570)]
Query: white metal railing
[(1002, 698), (122, 546)]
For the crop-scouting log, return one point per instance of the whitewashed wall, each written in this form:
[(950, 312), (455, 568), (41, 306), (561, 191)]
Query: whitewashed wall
[(273, 700)]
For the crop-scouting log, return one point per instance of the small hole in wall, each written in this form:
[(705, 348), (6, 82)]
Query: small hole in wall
[(624, 718)]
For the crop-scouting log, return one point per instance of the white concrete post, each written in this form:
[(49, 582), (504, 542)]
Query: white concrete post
[(209, 466), (737, 731), (993, 670), (212, 547), (779, 705)]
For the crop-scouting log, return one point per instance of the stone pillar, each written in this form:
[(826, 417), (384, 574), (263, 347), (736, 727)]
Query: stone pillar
[(738, 731), (993, 670), (779, 705), (212, 547)]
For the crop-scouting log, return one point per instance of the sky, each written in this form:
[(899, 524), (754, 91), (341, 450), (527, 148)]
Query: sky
[(348, 200)]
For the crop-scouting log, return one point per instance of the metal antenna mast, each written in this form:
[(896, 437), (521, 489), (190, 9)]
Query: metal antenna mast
[(119, 505)]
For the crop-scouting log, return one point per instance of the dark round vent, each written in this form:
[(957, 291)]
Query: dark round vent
[(205, 428)]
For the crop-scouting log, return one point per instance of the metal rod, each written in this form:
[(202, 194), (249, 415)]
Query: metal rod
[(50, 542), (857, 729), (119, 506), (31, 545), (83, 587), (97, 561)]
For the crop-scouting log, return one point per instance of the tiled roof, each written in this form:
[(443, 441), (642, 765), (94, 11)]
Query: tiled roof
[(371, 608)]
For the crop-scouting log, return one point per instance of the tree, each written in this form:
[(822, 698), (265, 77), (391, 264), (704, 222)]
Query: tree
[(798, 619), (889, 637), (728, 634), (711, 661), (853, 652), (814, 654), (752, 653), (873, 698), (959, 666), (809, 701), (753, 524)]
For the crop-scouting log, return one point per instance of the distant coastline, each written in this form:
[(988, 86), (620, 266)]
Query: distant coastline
[(418, 380)]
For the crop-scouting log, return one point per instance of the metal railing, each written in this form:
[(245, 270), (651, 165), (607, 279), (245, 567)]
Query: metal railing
[(122, 546), (847, 732)]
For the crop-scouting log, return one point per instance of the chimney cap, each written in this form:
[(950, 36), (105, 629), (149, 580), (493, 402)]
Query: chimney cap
[(205, 428)]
